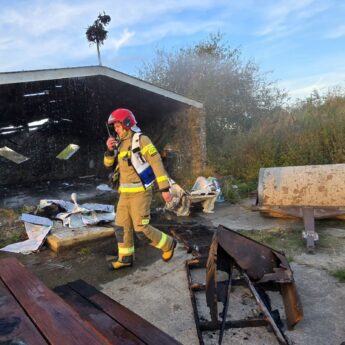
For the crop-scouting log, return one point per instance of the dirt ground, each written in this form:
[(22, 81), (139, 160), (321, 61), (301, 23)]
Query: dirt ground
[(159, 292)]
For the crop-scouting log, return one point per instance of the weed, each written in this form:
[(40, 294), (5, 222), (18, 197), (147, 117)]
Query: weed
[(290, 258), (230, 191), (84, 251), (288, 241), (15, 238), (8, 216), (243, 189), (12, 239), (339, 274), (27, 209)]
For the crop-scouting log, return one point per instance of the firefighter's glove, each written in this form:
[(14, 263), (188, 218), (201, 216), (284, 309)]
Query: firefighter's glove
[(111, 143), (167, 196), (173, 204)]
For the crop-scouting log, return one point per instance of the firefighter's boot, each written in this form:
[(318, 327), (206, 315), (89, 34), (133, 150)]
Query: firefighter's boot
[(118, 264), (167, 255), (121, 262)]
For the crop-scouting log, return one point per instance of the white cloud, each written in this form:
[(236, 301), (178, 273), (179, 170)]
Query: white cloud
[(5, 43), (337, 32), (118, 43), (286, 17), (175, 28), (41, 33), (42, 19), (45, 34), (146, 11), (303, 87)]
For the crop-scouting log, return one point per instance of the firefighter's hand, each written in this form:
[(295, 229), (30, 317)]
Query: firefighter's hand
[(167, 196), (111, 143)]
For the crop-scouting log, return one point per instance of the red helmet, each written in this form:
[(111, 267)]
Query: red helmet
[(124, 116)]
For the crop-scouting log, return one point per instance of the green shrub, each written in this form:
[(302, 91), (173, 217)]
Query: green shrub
[(230, 191), (245, 188), (339, 274), (310, 133)]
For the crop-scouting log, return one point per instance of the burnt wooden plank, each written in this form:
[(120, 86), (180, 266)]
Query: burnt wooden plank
[(250, 322), (198, 245), (55, 319), (102, 322), (14, 323), (143, 329), (194, 235)]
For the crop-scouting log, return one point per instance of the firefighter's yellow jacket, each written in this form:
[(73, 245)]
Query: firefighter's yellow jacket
[(129, 179)]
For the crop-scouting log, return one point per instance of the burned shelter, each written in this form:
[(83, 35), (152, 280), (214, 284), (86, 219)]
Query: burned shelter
[(44, 111)]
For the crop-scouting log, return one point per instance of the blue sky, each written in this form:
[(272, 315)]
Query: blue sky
[(301, 42)]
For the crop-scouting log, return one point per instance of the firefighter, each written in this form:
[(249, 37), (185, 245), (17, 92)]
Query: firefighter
[(139, 164)]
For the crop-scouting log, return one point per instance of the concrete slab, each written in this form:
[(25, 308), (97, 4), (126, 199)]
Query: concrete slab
[(159, 292)]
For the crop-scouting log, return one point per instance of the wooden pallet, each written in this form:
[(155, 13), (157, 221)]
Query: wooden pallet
[(33, 314)]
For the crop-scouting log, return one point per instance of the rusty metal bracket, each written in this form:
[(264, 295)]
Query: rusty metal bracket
[(309, 225), (191, 264)]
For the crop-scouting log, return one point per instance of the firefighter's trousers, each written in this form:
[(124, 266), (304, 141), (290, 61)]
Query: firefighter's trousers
[(133, 213)]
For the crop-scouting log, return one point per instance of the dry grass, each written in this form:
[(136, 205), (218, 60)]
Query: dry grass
[(288, 241), (8, 216), (11, 228)]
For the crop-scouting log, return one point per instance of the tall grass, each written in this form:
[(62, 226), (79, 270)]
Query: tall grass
[(313, 132)]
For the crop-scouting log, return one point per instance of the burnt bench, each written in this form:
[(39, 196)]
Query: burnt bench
[(75, 313)]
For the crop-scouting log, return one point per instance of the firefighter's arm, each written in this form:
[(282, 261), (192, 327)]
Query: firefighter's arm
[(150, 153), (109, 159)]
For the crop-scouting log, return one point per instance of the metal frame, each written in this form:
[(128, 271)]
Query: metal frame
[(202, 326)]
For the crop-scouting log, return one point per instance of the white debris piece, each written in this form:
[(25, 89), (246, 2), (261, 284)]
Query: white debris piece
[(11, 155), (203, 191), (98, 207), (36, 233), (78, 216), (68, 152), (74, 221), (29, 218), (104, 187)]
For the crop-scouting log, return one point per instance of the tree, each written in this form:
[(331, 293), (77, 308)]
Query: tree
[(235, 94), (96, 33)]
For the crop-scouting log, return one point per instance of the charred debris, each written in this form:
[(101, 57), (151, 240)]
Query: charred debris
[(228, 260)]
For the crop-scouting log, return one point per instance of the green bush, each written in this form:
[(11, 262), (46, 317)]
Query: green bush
[(310, 133), (230, 191), (339, 274)]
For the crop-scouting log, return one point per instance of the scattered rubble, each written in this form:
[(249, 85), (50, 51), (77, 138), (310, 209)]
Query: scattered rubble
[(38, 227)]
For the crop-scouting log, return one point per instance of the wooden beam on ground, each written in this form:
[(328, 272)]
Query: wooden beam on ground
[(63, 238)]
